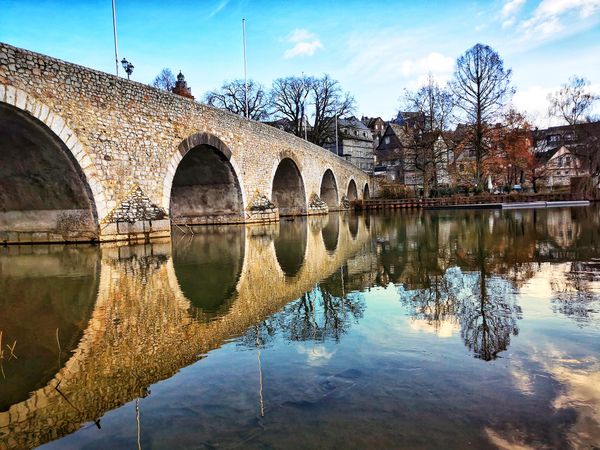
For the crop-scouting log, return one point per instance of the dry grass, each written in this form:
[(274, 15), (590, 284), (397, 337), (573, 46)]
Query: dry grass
[(8, 355)]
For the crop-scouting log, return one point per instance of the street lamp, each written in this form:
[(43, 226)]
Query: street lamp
[(127, 66)]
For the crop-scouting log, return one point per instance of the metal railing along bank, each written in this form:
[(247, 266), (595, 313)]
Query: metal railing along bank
[(483, 201)]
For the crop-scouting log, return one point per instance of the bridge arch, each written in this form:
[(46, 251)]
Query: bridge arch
[(54, 191), (202, 185), (352, 192), (353, 225), (329, 190), (331, 233), (291, 245), (208, 269), (366, 192), (287, 189)]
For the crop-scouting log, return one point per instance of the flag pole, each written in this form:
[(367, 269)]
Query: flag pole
[(337, 149), (114, 11), (245, 69)]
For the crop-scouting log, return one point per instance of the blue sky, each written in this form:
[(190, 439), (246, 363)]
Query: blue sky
[(375, 49)]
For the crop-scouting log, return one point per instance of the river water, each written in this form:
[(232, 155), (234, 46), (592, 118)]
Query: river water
[(412, 330)]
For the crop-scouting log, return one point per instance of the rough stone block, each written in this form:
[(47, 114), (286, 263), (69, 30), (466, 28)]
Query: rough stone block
[(10, 95), (160, 225)]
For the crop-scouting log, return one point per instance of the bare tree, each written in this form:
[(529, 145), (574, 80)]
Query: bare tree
[(329, 102), (231, 97), (292, 97), (481, 86), (434, 102), (288, 97), (429, 155), (573, 101), (165, 80)]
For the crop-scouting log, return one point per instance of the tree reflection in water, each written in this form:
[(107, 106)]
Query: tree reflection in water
[(484, 307), (574, 292), (317, 316)]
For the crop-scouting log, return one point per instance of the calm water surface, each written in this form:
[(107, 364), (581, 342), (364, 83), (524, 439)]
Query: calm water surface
[(416, 330)]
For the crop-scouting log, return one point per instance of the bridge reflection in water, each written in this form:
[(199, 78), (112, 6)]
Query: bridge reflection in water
[(130, 316), (157, 309)]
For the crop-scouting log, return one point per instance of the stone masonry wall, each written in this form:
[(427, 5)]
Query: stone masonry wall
[(125, 135)]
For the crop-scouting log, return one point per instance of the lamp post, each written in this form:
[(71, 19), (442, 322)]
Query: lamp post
[(127, 66)]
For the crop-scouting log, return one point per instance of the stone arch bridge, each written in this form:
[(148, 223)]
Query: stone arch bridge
[(88, 156)]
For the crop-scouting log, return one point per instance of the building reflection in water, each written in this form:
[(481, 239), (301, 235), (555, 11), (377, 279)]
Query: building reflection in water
[(130, 316)]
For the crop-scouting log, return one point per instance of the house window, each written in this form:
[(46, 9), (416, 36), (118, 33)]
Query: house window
[(568, 161), (387, 140), (461, 167)]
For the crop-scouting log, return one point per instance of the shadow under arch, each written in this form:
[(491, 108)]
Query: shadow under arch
[(205, 188), (208, 267), (352, 192), (366, 192), (331, 232), (44, 193), (69, 279), (329, 190), (288, 192), (290, 245)]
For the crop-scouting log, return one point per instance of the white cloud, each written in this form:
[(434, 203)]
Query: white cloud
[(444, 329), (389, 57), (512, 7), (316, 355), (508, 22), (434, 62), (305, 43), (552, 17), (300, 34), (218, 8), (534, 101), (509, 12)]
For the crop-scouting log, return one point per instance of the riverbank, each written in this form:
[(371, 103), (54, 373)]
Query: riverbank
[(478, 202)]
